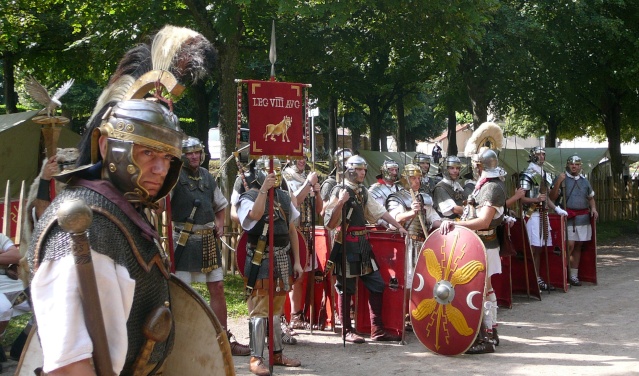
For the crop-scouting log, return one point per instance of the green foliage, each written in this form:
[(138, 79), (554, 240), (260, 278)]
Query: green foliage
[(609, 231)]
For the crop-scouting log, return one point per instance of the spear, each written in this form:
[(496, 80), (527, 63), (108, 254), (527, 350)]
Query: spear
[(272, 55)]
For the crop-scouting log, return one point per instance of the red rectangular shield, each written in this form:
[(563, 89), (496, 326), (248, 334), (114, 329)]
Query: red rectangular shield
[(276, 118)]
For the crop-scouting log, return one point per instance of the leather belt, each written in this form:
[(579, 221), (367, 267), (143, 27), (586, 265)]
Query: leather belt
[(204, 231)]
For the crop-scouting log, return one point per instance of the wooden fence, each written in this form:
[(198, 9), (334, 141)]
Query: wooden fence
[(617, 198)]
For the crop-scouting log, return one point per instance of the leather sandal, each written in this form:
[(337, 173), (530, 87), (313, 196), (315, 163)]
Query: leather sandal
[(257, 366), (280, 360)]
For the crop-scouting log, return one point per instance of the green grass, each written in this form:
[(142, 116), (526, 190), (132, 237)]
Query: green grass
[(233, 288), (234, 291), (13, 330), (608, 231)]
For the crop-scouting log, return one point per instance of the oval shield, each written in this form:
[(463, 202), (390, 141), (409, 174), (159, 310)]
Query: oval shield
[(240, 251), (447, 293)]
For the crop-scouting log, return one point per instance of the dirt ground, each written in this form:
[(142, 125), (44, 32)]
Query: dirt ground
[(590, 330)]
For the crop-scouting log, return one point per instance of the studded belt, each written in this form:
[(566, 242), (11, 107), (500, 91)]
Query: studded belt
[(417, 238), (204, 231), (358, 232)]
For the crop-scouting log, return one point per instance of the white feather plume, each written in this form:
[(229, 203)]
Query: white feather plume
[(489, 135)]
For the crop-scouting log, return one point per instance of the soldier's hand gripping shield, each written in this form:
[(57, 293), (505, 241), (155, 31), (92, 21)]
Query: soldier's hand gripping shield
[(446, 301)]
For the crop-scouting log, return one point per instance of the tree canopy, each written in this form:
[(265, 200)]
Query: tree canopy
[(405, 68)]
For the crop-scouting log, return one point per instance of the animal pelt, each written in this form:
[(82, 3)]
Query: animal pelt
[(64, 156)]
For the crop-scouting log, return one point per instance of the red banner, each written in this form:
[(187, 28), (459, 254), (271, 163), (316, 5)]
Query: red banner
[(276, 118)]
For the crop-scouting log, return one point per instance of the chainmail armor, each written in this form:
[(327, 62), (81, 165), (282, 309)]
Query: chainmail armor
[(327, 188), (493, 192), (105, 237), (444, 191)]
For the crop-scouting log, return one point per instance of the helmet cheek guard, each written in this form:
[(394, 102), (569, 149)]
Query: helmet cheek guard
[(352, 164), (262, 168), (144, 123), (192, 145), (386, 170), (449, 161)]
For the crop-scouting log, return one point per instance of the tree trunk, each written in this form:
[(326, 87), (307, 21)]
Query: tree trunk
[(356, 135), (228, 58), (480, 107), (452, 132), (10, 96), (383, 139), (374, 122), (332, 125), (553, 125), (611, 116), (402, 144), (202, 117)]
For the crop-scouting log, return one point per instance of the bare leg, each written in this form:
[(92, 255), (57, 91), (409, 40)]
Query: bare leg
[(218, 305), (218, 301)]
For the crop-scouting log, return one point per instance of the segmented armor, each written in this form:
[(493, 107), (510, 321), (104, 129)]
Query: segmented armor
[(531, 181)]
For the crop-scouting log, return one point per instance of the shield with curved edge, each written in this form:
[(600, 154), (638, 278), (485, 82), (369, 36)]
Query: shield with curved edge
[(240, 251), (200, 346), (448, 289)]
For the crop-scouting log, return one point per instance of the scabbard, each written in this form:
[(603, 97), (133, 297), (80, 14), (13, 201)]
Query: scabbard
[(74, 216), (256, 261), (250, 284), (181, 243)]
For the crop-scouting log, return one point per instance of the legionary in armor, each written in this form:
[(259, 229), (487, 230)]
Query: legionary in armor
[(536, 182), (359, 254), (305, 188), (448, 195), (574, 190), (336, 175), (138, 146), (387, 182), (197, 199), (486, 206), (423, 161), (253, 210), (413, 208), (129, 160)]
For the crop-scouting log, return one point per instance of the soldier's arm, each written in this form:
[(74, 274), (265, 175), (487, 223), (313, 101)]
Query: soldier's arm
[(336, 210), (295, 247), (519, 193), (484, 217)]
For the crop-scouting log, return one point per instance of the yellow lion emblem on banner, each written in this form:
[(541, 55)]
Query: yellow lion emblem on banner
[(278, 129)]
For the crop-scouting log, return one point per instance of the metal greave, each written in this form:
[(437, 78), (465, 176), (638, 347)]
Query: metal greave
[(257, 335)]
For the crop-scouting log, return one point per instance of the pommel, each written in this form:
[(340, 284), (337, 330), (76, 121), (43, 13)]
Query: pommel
[(197, 203), (75, 216)]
